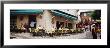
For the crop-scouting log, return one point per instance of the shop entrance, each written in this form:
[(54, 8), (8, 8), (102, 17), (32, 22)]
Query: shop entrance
[(59, 24), (32, 21)]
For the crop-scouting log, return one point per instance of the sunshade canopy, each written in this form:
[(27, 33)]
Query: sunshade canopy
[(26, 11), (66, 15), (39, 11)]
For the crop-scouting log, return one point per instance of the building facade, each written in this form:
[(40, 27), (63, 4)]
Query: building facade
[(47, 19)]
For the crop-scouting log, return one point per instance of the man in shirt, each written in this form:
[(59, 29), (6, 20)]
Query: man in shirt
[(32, 24)]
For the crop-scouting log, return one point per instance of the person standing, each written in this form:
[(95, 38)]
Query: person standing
[(94, 34), (32, 24)]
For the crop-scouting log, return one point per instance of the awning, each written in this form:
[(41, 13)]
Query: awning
[(66, 15), (25, 11)]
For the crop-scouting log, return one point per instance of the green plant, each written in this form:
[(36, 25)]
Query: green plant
[(96, 14)]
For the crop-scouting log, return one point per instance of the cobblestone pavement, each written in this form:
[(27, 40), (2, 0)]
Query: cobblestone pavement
[(85, 35)]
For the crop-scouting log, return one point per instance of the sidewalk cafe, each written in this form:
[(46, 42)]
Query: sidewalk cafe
[(42, 22)]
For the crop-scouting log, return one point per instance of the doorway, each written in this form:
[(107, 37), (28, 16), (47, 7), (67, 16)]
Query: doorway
[(32, 21), (59, 24)]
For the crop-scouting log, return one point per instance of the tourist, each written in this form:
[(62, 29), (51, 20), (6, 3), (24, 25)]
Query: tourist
[(32, 24), (94, 32)]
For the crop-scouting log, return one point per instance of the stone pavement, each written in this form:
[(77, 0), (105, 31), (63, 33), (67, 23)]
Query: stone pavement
[(85, 35)]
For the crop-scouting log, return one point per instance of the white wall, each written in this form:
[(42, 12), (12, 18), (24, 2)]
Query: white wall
[(39, 21), (19, 22), (70, 11), (45, 21)]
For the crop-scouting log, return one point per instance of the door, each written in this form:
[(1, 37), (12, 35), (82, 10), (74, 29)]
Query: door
[(32, 21)]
